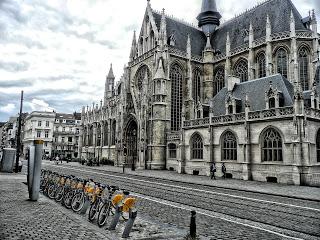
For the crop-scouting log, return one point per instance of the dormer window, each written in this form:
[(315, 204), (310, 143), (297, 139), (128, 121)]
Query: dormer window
[(172, 40), (273, 98), (272, 102), (233, 105)]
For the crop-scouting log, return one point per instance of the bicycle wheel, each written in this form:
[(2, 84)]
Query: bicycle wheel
[(77, 202), (68, 199), (59, 193), (103, 214), (52, 191), (93, 210)]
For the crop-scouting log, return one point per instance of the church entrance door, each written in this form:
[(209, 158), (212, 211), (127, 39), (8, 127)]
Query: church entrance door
[(131, 144)]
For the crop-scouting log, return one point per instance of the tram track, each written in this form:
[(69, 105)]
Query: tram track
[(293, 219)]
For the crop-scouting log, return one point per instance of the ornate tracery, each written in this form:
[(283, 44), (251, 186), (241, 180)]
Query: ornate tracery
[(196, 147), (261, 62), (196, 86), (229, 146), (241, 70), (176, 97), (219, 80), (282, 62), (271, 146), (304, 68)]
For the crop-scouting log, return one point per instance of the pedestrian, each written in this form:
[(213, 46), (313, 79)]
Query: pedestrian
[(223, 170), (213, 169), (61, 160), (57, 159)]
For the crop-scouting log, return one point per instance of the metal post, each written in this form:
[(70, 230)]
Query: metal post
[(129, 225), (31, 152), (193, 226), (18, 135), (36, 169), (115, 219)]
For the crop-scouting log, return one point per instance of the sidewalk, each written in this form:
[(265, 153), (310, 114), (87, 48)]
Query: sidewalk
[(300, 192), (45, 219)]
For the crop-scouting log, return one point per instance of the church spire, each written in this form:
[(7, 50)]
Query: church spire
[(109, 87), (133, 47), (110, 74), (163, 30), (209, 18)]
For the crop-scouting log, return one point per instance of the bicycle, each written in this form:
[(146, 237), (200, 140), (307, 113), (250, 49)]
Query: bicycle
[(108, 207), (76, 187), (98, 199), (79, 198)]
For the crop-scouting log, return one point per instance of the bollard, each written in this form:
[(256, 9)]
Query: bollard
[(129, 225), (30, 167), (123, 168), (193, 226), (36, 171), (115, 219)]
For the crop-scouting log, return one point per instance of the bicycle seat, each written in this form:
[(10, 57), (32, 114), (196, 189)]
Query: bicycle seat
[(125, 192)]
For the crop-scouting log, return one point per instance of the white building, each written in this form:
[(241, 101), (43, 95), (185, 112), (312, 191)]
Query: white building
[(39, 125)]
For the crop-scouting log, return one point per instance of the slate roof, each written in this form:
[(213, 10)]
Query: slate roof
[(255, 90), (64, 116), (279, 14), (180, 31)]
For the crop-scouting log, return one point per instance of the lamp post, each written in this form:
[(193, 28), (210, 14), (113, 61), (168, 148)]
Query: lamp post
[(134, 133)]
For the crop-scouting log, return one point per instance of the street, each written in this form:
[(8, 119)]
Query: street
[(221, 213)]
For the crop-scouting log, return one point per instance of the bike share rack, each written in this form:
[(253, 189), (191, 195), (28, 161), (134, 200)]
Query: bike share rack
[(127, 204)]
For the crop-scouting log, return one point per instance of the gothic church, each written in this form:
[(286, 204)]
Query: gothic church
[(244, 92)]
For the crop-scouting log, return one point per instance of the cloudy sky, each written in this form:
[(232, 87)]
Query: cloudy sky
[(59, 51)]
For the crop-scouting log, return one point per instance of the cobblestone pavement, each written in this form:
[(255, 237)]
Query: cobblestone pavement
[(222, 216), (45, 219)]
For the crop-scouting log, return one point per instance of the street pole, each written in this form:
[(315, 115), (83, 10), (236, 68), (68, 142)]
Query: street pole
[(18, 135)]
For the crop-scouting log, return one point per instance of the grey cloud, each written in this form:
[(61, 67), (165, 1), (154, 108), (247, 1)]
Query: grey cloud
[(14, 66), (12, 9), (15, 83)]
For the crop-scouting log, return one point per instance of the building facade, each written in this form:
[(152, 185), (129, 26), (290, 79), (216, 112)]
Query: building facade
[(67, 129), (39, 125), (244, 93)]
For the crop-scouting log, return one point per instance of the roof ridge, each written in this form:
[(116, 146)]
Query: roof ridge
[(180, 20), (245, 11), (259, 79)]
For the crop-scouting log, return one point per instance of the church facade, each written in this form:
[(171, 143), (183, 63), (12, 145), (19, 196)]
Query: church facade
[(244, 93)]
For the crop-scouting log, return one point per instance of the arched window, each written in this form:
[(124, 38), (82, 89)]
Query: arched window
[(282, 62), (241, 70), (176, 97), (113, 133), (229, 146), (218, 80), (98, 135), (261, 62), (106, 134), (91, 136), (84, 138), (141, 75), (196, 86), (303, 61), (318, 146), (172, 150), (271, 146), (196, 147)]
